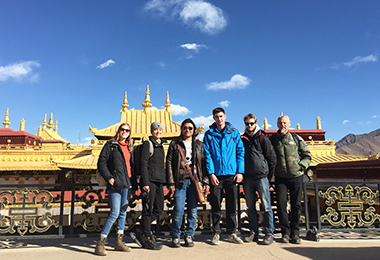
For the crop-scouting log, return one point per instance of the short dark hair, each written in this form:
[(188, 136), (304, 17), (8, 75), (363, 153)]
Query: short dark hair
[(218, 110), (188, 120)]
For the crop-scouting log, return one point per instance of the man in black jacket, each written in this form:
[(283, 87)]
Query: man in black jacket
[(260, 161)]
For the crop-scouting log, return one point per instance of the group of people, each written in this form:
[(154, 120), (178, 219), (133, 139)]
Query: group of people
[(224, 159)]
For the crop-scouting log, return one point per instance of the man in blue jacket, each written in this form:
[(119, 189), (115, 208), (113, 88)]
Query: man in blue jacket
[(224, 154)]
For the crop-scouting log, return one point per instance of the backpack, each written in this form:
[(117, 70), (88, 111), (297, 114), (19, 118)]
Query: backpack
[(137, 152)]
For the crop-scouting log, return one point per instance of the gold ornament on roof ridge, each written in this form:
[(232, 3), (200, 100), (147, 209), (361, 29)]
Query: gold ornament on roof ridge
[(6, 122), (125, 103), (22, 125), (44, 123), (51, 124), (147, 103), (167, 103)]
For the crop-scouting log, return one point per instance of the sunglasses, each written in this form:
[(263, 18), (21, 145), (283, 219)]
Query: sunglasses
[(125, 130), (185, 128), (250, 123)]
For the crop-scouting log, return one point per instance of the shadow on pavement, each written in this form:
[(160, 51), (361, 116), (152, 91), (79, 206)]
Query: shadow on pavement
[(336, 253)]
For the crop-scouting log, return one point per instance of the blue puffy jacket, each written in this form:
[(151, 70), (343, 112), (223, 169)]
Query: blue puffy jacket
[(224, 152)]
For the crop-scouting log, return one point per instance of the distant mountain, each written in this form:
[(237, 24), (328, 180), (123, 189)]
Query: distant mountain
[(359, 145)]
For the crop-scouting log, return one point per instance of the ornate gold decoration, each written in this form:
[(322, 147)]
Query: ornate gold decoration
[(167, 103), (147, 103), (22, 125), (125, 103), (23, 211), (265, 123), (350, 209), (319, 123), (51, 124), (6, 122)]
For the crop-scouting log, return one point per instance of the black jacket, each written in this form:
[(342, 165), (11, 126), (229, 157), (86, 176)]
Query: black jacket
[(111, 164), (260, 158), (175, 166), (152, 167)]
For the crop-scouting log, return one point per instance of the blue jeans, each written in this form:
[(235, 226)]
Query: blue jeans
[(118, 201), (251, 186), (187, 190)]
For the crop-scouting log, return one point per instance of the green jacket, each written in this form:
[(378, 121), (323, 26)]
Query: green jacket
[(292, 158)]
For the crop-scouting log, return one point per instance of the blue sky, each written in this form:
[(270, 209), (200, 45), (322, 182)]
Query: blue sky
[(76, 59)]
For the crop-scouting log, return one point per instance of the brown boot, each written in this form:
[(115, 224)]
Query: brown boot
[(100, 248), (119, 244)]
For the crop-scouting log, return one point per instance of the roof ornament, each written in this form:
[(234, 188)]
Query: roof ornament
[(167, 103), (22, 125), (125, 103), (298, 126), (147, 103), (265, 123), (51, 123), (319, 123), (44, 123), (56, 126), (6, 122), (39, 131)]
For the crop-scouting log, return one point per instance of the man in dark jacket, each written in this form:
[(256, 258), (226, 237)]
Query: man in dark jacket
[(180, 183), (293, 158), (260, 161)]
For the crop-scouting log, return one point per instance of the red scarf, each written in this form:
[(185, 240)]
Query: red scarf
[(127, 156)]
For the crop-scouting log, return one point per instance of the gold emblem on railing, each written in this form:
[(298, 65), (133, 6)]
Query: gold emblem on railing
[(350, 206), (24, 209)]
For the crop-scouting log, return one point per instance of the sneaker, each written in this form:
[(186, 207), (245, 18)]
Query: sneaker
[(251, 237), (295, 240), (150, 243), (136, 238), (285, 238), (268, 239), (234, 238), (189, 241), (176, 242), (215, 239)]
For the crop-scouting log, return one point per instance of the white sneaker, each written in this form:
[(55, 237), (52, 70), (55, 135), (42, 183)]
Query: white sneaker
[(215, 240), (234, 238)]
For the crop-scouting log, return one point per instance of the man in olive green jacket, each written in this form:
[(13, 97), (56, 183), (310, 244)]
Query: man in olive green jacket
[(293, 158)]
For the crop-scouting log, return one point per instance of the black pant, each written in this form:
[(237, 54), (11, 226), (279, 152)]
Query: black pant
[(294, 185), (152, 207), (230, 188)]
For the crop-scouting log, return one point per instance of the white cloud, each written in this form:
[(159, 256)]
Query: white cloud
[(236, 82), (360, 59), (193, 46), (105, 64), (86, 141), (201, 120), (199, 14), (19, 71), (179, 110), (269, 126), (375, 116), (224, 103), (346, 121), (161, 64)]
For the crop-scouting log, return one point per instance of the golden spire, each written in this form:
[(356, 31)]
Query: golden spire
[(319, 123), (125, 103), (147, 103), (167, 103), (39, 131), (6, 122), (298, 126), (265, 123), (22, 125), (56, 126), (281, 114), (44, 123), (51, 123)]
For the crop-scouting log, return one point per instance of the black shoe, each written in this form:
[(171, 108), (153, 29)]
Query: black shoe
[(150, 243), (136, 239), (295, 240), (189, 241), (176, 242), (285, 238)]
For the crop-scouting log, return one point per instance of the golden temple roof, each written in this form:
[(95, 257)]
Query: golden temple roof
[(140, 120), (50, 131)]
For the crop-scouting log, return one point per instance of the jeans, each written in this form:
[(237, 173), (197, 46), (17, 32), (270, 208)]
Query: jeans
[(118, 201), (294, 185), (183, 192), (251, 188), (227, 184)]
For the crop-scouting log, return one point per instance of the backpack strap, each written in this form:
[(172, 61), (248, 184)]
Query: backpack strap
[(151, 148)]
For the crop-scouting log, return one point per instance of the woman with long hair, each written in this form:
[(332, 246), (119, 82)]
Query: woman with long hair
[(115, 165)]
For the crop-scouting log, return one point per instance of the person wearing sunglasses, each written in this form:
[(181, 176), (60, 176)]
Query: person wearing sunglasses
[(180, 183), (224, 153), (260, 161), (115, 166)]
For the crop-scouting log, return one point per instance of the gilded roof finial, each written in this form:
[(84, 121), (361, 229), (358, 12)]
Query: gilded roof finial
[(265, 123), (6, 122), (319, 123), (147, 103), (22, 125), (44, 123), (39, 131), (281, 114), (125, 103), (51, 123), (56, 126), (167, 103), (298, 126)]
